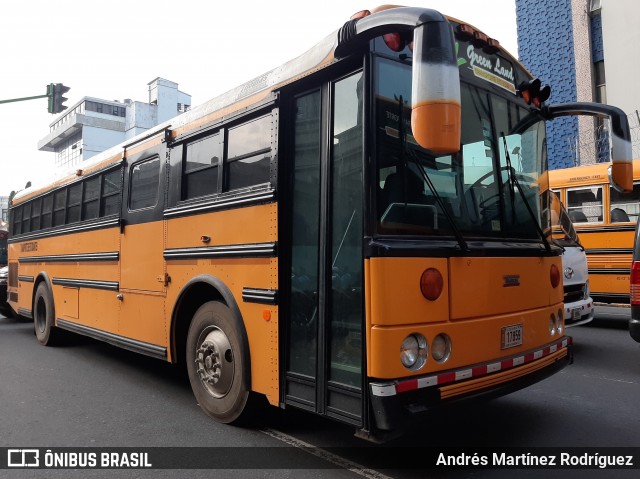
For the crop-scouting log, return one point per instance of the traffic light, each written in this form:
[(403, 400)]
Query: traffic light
[(56, 100)]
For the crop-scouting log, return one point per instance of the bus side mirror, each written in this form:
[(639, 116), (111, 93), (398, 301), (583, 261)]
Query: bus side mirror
[(621, 176), (435, 110), (621, 170)]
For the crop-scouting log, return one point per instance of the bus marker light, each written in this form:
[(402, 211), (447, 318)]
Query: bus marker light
[(394, 41), (554, 276), (266, 315), (431, 284), (360, 14)]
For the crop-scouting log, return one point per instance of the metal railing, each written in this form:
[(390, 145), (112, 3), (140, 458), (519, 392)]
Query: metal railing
[(595, 147)]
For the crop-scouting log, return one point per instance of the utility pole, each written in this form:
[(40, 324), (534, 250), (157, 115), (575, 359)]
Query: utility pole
[(54, 94)]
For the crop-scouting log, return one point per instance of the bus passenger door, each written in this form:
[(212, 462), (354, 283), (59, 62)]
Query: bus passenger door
[(324, 355), (142, 271)]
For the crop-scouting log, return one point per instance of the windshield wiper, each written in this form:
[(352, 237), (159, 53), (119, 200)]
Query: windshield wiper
[(414, 159), (513, 178), (456, 232)]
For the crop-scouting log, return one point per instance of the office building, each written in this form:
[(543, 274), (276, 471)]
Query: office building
[(93, 125)]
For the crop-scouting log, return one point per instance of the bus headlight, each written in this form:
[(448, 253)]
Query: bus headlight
[(441, 348), (552, 324), (413, 351)]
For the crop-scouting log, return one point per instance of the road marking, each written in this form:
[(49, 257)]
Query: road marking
[(609, 379), (326, 455)]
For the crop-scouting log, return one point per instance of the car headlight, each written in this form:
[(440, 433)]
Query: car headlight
[(587, 290)]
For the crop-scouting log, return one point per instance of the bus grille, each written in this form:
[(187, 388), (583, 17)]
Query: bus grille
[(574, 292)]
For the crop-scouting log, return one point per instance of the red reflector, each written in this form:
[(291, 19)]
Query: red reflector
[(635, 283), (394, 41), (360, 14), (554, 276), (431, 284)]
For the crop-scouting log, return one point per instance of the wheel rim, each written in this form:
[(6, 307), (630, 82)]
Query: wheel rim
[(41, 314), (214, 362)]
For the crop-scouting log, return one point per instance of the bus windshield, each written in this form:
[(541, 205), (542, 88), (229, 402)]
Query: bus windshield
[(490, 189)]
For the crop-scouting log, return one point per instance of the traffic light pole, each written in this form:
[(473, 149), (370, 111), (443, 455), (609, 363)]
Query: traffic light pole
[(23, 99), (54, 94)]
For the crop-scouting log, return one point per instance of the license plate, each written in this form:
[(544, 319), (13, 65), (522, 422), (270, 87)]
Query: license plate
[(511, 336), (575, 314)]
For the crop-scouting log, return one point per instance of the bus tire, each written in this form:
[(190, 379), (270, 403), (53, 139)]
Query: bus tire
[(44, 316), (215, 363)]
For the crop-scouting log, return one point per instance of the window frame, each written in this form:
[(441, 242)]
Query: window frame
[(185, 175), (132, 168), (574, 207), (228, 161)]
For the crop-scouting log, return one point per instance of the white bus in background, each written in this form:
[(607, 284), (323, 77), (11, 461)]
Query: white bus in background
[(578, 304)]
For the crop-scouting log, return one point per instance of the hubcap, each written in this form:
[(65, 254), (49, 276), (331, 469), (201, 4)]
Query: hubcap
[(214, 362)]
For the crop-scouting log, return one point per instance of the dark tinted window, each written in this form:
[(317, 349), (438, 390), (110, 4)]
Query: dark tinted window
[(111, 191), (624, 207), (36, 207), (91, 201), (74, 202), (16, 221), (47, 212), (143, 191), (249, 153), (202, 160), (26, 218), (59, 203)]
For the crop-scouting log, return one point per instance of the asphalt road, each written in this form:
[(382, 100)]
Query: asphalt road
[(89, 394)]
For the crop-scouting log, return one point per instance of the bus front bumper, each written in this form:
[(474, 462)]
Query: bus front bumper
[(397, 403)]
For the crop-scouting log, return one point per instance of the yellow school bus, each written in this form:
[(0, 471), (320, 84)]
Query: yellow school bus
[(605, 220), (351, 233)]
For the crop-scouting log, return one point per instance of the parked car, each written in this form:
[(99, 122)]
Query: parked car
[(4, 275), (578, 304)]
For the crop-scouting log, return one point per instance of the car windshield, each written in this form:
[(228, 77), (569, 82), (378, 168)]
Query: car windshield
[(490, 189), (562, 231)]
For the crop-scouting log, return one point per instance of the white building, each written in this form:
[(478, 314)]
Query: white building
[(93, 125), (4, 210)]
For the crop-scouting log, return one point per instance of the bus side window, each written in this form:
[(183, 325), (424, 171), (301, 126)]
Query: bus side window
[(201, 167), (145, 179), (585, 205), (249, 153), (625, 207)]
